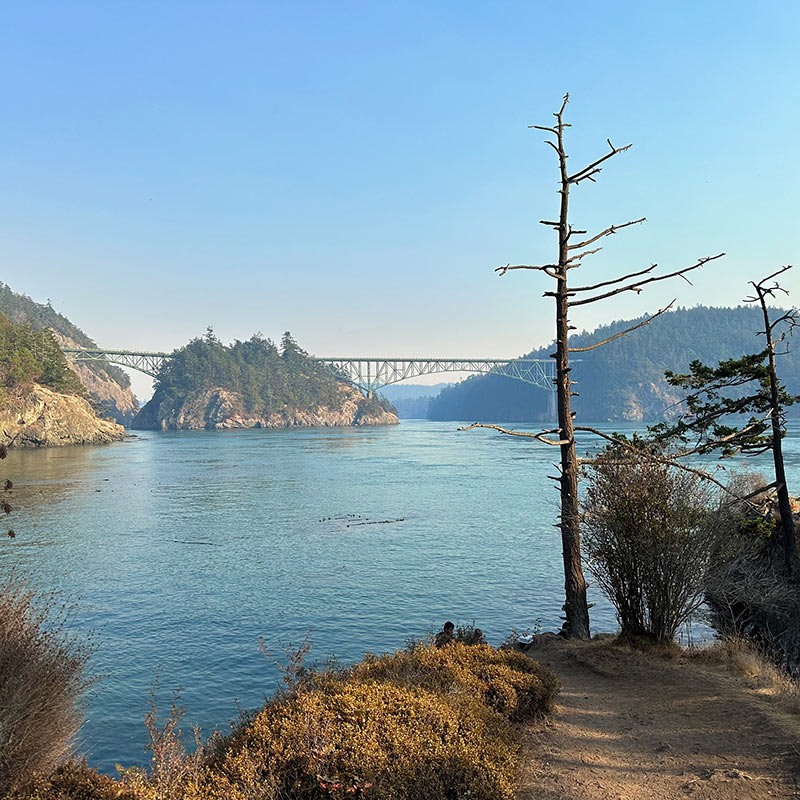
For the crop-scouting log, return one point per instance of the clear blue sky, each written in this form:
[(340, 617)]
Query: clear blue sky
[(353, 171)]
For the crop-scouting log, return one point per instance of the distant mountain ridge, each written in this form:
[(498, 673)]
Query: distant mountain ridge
[(412, 400), (623, 380)]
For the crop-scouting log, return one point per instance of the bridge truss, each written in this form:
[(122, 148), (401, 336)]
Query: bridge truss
[(372, 374), (367, 374), (149, 363)]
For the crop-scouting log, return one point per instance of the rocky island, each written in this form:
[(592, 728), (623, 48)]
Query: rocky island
[(207, 385)]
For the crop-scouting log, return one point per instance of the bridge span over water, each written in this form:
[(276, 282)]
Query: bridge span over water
[(367, 374)]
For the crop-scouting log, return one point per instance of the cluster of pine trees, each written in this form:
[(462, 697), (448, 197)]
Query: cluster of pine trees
[(29, 355), (267, 377), (21, 308)]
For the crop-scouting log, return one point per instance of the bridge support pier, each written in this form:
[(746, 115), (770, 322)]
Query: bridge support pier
[(552, 413)]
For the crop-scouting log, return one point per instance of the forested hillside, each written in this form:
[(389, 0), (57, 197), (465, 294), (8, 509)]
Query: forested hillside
[(107, 386), (29, 356), (20, 308), (623, 380), (252, 384)]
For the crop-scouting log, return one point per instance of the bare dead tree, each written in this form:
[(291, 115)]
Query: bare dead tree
[(570, 256), (763, 290)]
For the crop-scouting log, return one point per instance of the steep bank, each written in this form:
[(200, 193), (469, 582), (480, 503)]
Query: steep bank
[(106, 385), (116, 400), (219, 409), (39, 417)]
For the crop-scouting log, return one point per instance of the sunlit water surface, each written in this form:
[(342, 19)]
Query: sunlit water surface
[(184, 548)]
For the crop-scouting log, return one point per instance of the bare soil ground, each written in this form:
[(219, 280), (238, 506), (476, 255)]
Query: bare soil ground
[(631, 726)]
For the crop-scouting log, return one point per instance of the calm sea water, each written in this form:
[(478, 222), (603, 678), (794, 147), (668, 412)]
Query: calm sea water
[(184, 548)]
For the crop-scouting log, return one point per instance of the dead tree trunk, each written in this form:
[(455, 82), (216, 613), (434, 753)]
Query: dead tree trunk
[(570, 256), (576, 607), (776, 419)]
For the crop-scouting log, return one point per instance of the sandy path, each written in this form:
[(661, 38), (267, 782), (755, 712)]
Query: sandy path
[(630, 726)]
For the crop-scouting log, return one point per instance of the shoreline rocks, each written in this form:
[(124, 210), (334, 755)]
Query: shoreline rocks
[(40, 417), (222, 409)]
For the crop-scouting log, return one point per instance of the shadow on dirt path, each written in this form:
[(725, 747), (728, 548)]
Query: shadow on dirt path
[(630, 726)]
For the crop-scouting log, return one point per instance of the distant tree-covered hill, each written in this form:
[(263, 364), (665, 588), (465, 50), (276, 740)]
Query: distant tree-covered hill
[(623, 380)]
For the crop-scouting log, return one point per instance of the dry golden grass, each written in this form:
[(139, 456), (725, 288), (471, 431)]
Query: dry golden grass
[(761, 674), (42, 684)]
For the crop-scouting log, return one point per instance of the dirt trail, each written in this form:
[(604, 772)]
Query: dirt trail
[(635, 727)]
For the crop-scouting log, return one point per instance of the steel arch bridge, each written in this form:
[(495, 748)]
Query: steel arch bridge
[(367, 374)]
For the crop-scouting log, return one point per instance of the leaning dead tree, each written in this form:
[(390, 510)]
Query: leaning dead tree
[(739, 405), (572, 250), (763, 290)]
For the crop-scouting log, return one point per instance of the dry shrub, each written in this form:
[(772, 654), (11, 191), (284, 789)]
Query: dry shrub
[(650, 534), (370, 739), (508, 682), (42, 684), (423, 724), (172, 767), (75, 781)]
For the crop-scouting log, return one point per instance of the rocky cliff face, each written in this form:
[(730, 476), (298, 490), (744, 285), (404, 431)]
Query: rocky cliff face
[(118, 401), (219, 409), (40, 417)]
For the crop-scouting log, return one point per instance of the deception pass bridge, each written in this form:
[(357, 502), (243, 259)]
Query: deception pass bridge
[(367, 374)]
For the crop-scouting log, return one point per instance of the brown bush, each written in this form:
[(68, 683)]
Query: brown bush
[(508, 682), (423, 724), (372, 739), (650, 533), (42, 684)]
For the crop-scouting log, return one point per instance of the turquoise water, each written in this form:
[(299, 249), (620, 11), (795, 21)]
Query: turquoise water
[(184, 548)]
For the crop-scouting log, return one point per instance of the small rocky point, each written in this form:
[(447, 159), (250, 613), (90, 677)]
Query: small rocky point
[(40, 417)]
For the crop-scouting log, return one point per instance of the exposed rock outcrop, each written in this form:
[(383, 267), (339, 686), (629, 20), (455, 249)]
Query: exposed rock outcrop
[(40, 417), (118, 401), (219, 409)]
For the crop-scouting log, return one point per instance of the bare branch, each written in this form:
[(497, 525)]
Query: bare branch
[(623, 333), (607, 232), (579, 256), (613, 280), (592, 168), (541, 437), (637, 287), (546, 268)]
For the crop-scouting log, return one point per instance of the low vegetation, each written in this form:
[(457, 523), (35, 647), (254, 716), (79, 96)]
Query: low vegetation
[(42, 684), (421, 724)]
